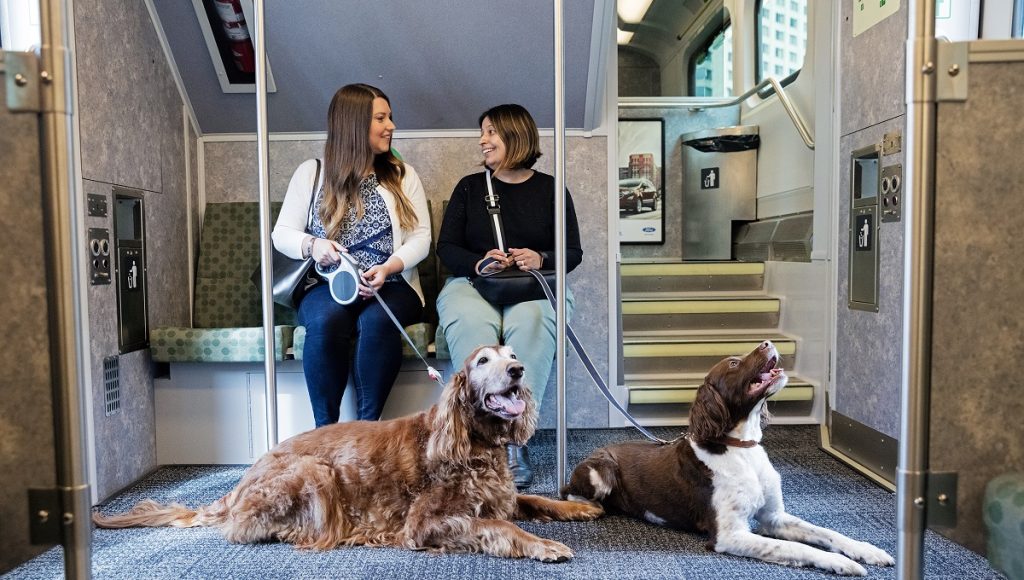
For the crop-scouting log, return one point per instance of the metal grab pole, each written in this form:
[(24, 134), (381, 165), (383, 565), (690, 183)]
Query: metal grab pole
[(560, 437), (62, 218), (912, 471), (266, 275)]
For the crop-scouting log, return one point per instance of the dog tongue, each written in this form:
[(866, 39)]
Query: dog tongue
[(510, 405)]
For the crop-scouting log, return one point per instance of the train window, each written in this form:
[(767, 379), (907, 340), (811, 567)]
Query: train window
[(19, 25), (711, 65), (781, 38)]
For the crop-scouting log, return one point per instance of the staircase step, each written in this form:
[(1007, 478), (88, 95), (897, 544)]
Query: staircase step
[(650, 276), (683, 389), (680, 353), (699, 312)]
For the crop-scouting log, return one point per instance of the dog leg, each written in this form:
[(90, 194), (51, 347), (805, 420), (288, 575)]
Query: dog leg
[(745, 543), (789, 527), (535, 507), (491, 536)]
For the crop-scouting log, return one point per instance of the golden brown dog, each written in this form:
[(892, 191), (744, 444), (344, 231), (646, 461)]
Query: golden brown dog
[(434, 480)]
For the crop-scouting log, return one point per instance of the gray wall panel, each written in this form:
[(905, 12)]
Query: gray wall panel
[(872, 70), (677, 122), (978, 328), (868, 344), (26, 419), (231, 176), (132, 136), (440, 67)]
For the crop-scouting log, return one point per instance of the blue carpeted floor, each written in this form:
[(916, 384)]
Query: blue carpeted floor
[(816, 487)]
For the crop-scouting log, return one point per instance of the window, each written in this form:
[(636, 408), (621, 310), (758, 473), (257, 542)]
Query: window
[(19, 25), (790, 21), (711, 66)]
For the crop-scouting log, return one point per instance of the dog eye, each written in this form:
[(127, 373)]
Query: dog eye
[(482, 360), (514, 357)]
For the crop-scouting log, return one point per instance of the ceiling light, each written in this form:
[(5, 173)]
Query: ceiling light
[(633, 11), (623, 37)]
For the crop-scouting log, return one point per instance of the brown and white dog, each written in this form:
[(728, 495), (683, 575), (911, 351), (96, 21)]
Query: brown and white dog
[(718, 477), (436, 480)]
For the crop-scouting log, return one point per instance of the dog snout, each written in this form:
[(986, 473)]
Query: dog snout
[(515, 371), (766, 345)]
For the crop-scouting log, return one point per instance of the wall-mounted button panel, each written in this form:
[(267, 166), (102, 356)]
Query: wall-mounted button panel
[(892, 193), (99, 255), (97, 205)]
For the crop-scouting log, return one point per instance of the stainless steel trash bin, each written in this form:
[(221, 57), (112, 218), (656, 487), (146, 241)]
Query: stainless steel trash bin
[(719, 187)]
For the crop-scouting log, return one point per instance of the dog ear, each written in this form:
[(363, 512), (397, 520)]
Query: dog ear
[(449, 440), (522, 428), (709, 417)]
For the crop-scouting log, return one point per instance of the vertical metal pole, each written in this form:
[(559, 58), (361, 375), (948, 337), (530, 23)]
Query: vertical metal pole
[(266, 284), (912, 472), (560, 446), (62, 216)]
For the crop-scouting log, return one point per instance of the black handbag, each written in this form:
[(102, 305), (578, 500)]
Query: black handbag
[(512, 285), (292, 278)]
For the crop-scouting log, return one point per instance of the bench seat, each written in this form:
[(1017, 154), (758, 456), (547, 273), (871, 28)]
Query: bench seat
[(183, 344)]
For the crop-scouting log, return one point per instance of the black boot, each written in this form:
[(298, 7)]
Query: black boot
[(519, 463)]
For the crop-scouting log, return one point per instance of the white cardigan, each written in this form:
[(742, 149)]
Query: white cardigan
[(410, 246)]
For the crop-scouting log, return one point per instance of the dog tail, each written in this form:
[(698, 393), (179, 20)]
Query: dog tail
[(150, 514)]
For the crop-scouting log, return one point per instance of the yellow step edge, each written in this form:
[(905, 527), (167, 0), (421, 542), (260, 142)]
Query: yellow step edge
[(711, 269), (663, 396), (700, 306), (700, 349)]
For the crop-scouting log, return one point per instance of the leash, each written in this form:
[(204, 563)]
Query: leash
[(596, 376), (431, 371)]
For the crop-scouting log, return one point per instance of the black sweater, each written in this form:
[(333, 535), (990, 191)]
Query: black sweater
[(528, 216)]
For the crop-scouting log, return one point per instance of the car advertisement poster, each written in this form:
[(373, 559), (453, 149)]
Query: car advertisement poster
[(641, 181)]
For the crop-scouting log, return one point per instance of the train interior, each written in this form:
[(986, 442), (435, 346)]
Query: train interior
[(741, 170)]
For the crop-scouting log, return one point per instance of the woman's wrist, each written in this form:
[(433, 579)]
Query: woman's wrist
[(307, 246)]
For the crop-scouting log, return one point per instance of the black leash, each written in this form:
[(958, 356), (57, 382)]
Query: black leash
[(582, 353)]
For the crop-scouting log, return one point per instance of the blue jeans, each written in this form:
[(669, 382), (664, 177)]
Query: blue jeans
[(470, 321), (330, 331)]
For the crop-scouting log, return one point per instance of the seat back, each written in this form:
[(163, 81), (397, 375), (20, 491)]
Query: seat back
[(229, 252)]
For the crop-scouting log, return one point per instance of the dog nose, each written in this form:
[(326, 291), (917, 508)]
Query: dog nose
[(766, 345), (515, 371)]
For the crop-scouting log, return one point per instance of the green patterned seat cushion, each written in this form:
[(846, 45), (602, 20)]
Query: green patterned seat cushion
[(181, 344), (419, 333), (229, 253), (1003, 512), (441, 345)]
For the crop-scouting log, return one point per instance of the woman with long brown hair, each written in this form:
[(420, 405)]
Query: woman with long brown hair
[(370, 205)]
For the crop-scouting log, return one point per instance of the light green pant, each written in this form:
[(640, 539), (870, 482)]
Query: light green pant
[(470, 321)]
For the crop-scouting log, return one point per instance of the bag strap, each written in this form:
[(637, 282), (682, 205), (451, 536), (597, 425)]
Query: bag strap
[(312, 196), (596, 376), (495, 211)]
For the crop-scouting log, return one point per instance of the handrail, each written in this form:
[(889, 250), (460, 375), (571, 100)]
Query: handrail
[(794, 114)]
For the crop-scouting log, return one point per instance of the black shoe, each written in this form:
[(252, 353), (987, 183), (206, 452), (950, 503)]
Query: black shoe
[(519, 463)]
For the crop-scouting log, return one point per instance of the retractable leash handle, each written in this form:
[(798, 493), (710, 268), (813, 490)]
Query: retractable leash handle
[(344, 285), (596, 376)]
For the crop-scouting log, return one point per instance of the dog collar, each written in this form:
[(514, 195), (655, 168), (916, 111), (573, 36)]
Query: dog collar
[(728, 441)]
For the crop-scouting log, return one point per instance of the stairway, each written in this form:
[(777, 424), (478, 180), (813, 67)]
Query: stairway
[(680, 318)]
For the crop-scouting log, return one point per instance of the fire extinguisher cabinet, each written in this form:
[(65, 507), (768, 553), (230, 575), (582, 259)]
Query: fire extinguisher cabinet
[(719, 189), (132, 315)]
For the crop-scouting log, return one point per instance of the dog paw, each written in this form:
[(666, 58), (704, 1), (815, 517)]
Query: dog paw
[(551, 551), (840, 564), (587, 511), (865, 552)]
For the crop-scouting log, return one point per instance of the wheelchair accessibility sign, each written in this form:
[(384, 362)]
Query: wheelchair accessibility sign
[(709, 178)]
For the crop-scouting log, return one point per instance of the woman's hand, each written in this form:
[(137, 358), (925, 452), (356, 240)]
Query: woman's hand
[(525, 258), (326, 252), (375, 276), (498, 262)]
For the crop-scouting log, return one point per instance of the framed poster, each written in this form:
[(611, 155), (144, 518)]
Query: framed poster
[(641, 181)]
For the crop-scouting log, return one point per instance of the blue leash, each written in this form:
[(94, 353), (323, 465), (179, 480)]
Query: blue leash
[(585, 358)]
